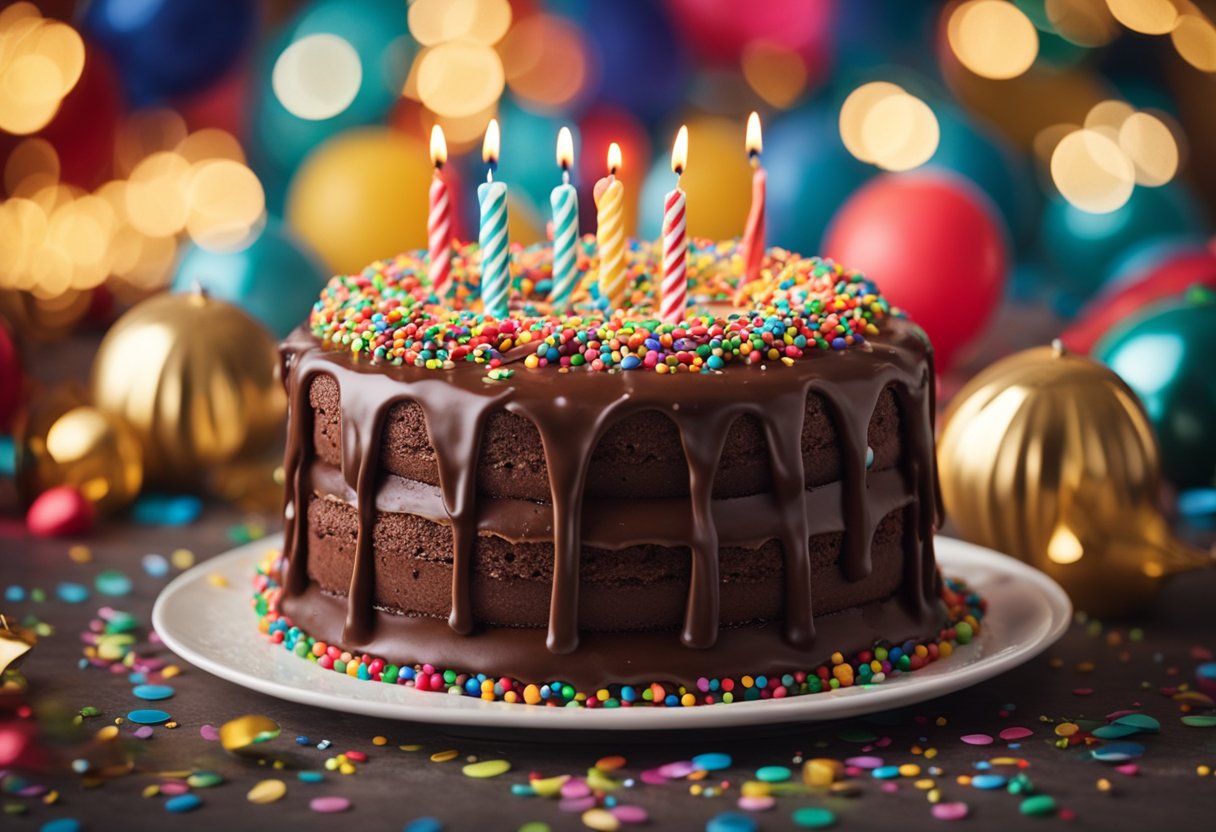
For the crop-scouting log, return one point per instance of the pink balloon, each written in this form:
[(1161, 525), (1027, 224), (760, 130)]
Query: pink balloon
[(936, 248), (59, 512)]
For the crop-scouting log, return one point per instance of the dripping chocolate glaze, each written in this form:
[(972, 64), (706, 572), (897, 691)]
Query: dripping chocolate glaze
[(571, 412)]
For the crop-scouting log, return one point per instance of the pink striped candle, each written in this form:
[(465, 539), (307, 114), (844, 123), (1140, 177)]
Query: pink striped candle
[(674, 290), (752, 246), (439, 221)]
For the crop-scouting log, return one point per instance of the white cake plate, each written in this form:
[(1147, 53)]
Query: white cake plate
[(214, 627)]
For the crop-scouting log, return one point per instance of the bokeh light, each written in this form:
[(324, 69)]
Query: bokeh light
[(545, 60), (992, 38), (1195, 39), (156, 201), (433, 22), (1151, 147), (33, 165), (900, 132), (225, 202), (1148, 17), (1092, 172), (1086, 23), (40, 63), (317, 76), (459, 78), (145, 132), (882, 124), (777, 73)]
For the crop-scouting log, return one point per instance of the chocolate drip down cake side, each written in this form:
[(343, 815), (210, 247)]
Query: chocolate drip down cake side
[(593, 508)]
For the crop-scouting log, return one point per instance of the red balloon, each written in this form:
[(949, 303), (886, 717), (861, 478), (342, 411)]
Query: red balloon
[(935, 246), (1170, 278), (721, 30), (84, 130), (59, 512), (598, 128), (10, 377)]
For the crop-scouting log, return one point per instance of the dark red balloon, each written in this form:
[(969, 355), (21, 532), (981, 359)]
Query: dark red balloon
[(10, 377), (84, 130), (936, 248), (1170, 278)]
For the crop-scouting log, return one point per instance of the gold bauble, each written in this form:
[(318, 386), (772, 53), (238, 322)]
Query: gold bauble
[(35, 422), (92, 451), (197, 379), (1048, 456)]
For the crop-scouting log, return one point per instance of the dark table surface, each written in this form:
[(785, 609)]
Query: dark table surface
[(1141, 664)]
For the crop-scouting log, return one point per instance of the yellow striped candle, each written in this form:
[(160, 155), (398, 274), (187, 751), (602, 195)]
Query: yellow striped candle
[(610, 232)]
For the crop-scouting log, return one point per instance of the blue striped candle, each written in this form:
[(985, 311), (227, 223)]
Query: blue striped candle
[(564, 200), (495, 272)]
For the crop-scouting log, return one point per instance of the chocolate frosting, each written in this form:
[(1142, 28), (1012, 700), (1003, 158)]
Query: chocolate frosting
[(571, 412)]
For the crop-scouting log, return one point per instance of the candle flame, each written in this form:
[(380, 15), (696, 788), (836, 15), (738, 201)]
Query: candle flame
[(565, 148), (755, 141), (679, 152), (439, 147), (489, 148), (614, 157)]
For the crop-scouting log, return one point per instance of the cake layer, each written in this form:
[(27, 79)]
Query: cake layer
[(637, 587), (640, 455)]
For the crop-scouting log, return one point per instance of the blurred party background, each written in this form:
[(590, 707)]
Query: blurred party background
[(1044, 158)]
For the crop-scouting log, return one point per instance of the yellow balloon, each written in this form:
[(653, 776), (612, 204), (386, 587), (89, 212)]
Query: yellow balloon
[(718, 179), (362, 196), (96, 453)]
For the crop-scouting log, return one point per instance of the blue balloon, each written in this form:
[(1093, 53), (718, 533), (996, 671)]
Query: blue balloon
[(987, 160), (379, 33), (275, 277), (169, 47), (643, 63), (1143, 257), (1082, 247)]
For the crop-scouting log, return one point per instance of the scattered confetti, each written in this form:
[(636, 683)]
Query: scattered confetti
[(267, 791), (183, 803), (204, 780), (731, 822), (154, 565), (486, 768), (1015, 734), (166, 510), (112, 582), (72, 593), (950, 811), (1039, 805), (152, 693), (61, 825), (246, 731), (977, 739), (814, 817), (329, 805), (427, 824), (148, 717)]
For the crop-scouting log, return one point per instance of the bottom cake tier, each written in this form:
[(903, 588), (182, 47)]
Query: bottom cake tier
[(858, 646)]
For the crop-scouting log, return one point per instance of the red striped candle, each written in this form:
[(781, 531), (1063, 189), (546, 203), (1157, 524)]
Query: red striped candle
[(439, 221), (674, 291)]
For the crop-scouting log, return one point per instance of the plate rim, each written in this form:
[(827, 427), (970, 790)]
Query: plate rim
[(467, 711)]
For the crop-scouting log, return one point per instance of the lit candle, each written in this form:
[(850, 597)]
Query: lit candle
[(674, 295), (439, 221), (492, 236), (564, 201), (610, 232), (752, 246)]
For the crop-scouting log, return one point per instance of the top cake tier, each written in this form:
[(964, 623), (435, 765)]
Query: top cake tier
[(388, 315)]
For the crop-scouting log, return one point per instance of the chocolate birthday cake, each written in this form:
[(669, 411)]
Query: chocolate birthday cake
[(595, 508)]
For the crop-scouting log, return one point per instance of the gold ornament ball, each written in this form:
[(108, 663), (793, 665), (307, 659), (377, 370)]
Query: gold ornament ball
[(197, 379), (46, 407), (94, 452), (1047, 456)]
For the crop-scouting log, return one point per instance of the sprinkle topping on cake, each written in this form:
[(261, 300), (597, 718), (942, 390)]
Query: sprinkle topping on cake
[(387, 314)]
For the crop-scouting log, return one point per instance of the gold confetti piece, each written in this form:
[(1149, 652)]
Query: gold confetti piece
[(181, 558), (1103, 784), (267, 791), (410, 747), (80, 553), (151, 791), (379, 740), (444, 756), (217, 580), (246, 731), (924, 785)]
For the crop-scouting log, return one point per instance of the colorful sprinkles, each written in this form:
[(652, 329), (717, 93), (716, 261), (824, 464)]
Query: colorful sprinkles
[(386, 314), (869, 667)]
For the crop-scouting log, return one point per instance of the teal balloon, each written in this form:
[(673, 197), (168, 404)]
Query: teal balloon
[(984, 157), (810, 174), (275, 277), (528, 163), (1165, 355), (378, 32), (1082, 248)]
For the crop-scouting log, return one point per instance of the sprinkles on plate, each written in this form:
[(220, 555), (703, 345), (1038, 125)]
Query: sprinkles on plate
[(387, 314), (966, 611)]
